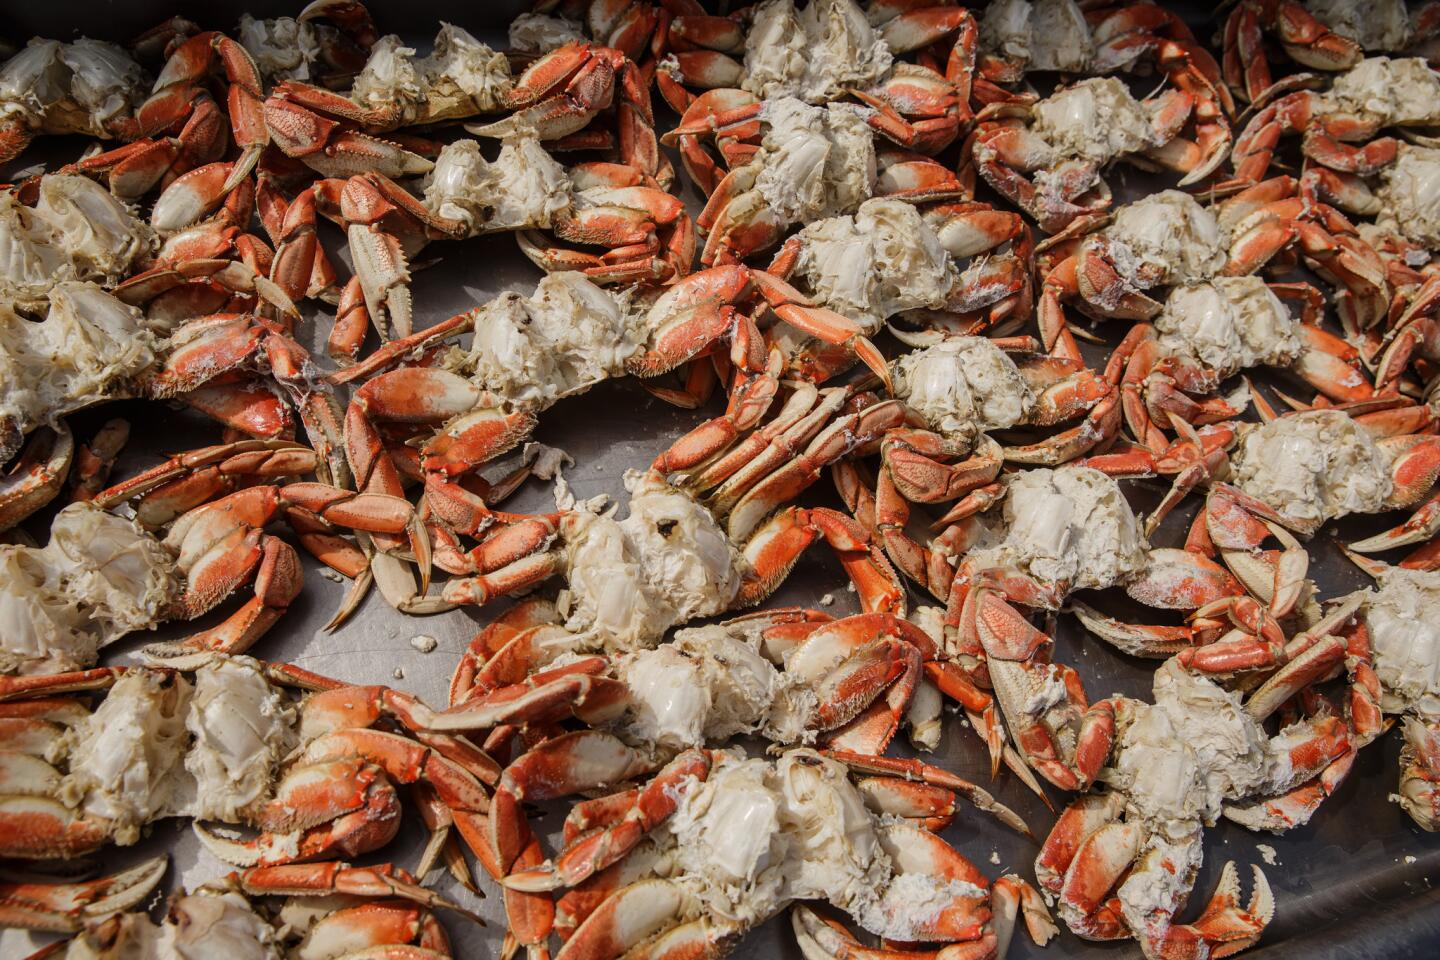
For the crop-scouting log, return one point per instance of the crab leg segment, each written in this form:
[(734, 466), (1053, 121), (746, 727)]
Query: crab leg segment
[(68, 907)]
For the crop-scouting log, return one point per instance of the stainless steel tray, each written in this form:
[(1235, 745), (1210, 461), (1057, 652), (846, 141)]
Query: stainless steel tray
[(1355, 882)]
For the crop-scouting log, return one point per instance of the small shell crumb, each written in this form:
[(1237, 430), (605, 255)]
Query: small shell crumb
[(398, 673), (423, 643), (827, 600), (995, 857), (1267, 853), (331, 575), (1409, 858)]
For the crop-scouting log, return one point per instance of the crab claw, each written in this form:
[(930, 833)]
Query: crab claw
[(1225, 927)]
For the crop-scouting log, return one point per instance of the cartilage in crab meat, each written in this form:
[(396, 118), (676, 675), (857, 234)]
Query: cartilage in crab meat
[(75, 230), (49, 87), (99, 578)]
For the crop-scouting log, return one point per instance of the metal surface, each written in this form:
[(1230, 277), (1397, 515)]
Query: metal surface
[(1356, 882)]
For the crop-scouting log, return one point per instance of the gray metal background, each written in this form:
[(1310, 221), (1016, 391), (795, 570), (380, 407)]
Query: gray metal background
[(1356, 882)]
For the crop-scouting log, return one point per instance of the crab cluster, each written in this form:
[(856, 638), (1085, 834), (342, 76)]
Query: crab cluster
[(943, 244)]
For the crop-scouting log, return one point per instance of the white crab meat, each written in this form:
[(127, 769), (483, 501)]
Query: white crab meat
[(631, 580), (1312, 467), (90, 347), (1069, 526), (99, 578), (813, 162), (756, 835), (283, 48), (1228, 324), (460, 78), (542, 32), (1402, 91), (815, 54), (1096, 120), (125, 756), (1403, 619), (1165, 238), (242, 727), (1374, 24), (962, 383), (729, 837), (207, 925), (203, 925), (83, 87), (683, 551), (1409, 195), (75, 231), (706, 685), (1043, 35), (884, 260), (607, 596), (522, 188), (564, 339)]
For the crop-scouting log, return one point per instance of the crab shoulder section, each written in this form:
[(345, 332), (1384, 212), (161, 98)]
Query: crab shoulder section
[(814, 162), (90, 347), (1165, 238), (99, 578), (1403, 619), (124, 757), (1068, 526), (565, 338), (1312, 467), (815, 54), (882, 261), (524, 187), (708, 684), (75, 231), (460, 78), (1229, 324), (1398, 92), (1042, 35), (964, 381), (242, 727)]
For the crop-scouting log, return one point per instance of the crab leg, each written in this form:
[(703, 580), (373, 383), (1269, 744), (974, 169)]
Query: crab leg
[(68, 907)]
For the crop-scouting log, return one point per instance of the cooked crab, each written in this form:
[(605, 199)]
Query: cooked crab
[(791, 163), (74, 230), (808, 836), (86, 87), (1327, 35), (892, 258), (1339, 124), (306, 48), (460, 78), (1404, 648), (1168, 239), (1121, 864), (89, 348), (1313, 466), (99, 578), (231, 747), (331, 910), (1213, 329), (1047, 157)]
